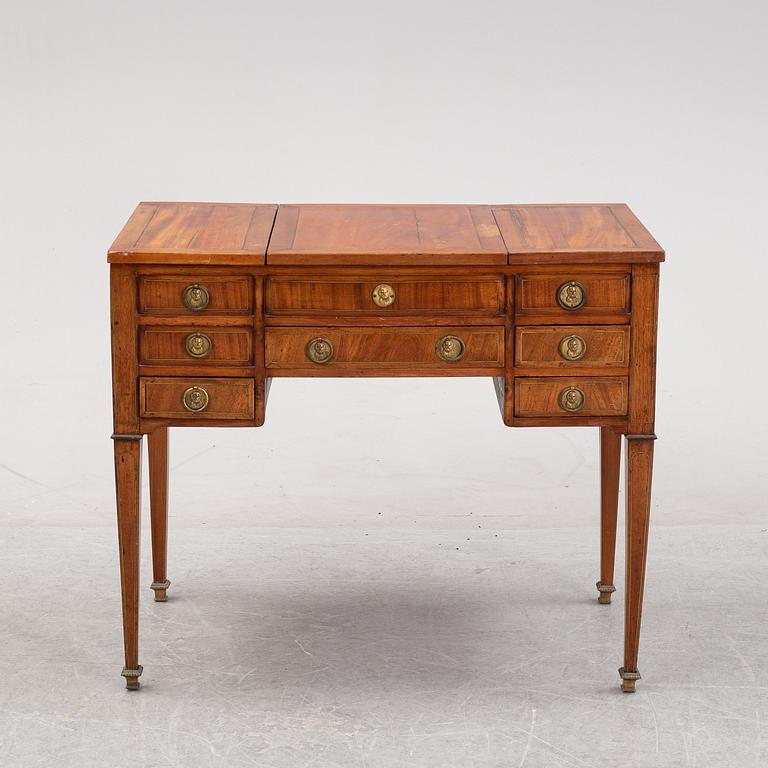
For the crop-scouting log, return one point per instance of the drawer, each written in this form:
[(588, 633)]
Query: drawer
[(195, 295), (570, 295), (562, 396), (332, 349), (391, 296), (195, 346), (189, 398), (572, 346)]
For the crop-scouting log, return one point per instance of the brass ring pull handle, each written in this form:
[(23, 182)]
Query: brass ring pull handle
[(319, 350), (571, 295), (198, 345), (571, 399), (572, 348), (450, 349), (195, 399), (196, 297), (383, 295)]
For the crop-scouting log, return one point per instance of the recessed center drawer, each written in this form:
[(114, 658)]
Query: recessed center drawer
[(289, 296), (403, 349)]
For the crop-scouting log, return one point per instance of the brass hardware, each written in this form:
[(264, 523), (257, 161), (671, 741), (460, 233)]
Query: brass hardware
[(571, 399), (198, 345), (160, 588), (572, 348), (641, 437), (605, 591), (132, 677), (195, 399), (571, 295), (628, 680), (383, 295), (450, 349), (319, 350), (118, 436), (196, 297)]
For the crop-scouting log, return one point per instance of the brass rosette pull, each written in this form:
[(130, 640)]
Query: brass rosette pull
[(196, 297), (319, 350), (572, 348), (383, 295), (198, 345), (450, 348), (571, 399), (195, 399), (571, 295)]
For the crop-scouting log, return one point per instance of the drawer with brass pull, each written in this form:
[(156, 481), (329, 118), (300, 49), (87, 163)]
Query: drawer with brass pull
[(561, 347), (165, 345), (184, 398), (570, 296), (398, 351), (561, 396), (196, 294), (385, 296)]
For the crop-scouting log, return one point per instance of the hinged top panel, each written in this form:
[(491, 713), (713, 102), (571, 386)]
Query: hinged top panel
[(383, 235), (194, 233), (548, 234)]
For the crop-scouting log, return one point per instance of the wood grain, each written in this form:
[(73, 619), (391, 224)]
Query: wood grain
[(610, 464), (603, 233), (165, 295), (606, 294), (386, 235), (639, 471), (540, 396), (303, 296), (194, 233), (159, 345), (228, 398), (157, 451), (397, 350), (128, 495), (538, 347)]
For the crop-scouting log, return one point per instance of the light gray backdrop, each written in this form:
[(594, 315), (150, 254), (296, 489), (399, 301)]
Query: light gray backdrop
[(661, 105)]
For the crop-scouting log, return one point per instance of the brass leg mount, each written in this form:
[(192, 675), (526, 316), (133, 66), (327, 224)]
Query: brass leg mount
[(628, 680), (132, 677), (160, 589), (605, 591)]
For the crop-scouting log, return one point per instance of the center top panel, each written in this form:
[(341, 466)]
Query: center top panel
[(379, 235)]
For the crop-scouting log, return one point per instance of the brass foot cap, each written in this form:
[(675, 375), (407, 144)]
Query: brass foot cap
[(132, 677), (160, 589), (605, 590), (628, 680)]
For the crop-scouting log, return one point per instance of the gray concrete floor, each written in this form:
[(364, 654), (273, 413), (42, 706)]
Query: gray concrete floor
[(341, 605)]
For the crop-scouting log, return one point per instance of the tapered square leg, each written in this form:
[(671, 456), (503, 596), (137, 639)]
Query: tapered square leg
[(639, 470), (157, 448), (128, 494), (610, 460)]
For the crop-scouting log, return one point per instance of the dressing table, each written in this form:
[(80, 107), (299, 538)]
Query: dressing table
[(556, 304)]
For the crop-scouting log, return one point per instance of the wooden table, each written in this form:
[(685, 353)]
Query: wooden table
[(557, 304)]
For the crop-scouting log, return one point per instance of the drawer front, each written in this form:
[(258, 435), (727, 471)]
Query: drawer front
[(384, 296), (570, 295), (572, 346), (189, 398), (450, 349), (563, 397), (195, 295), (195, 346)]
